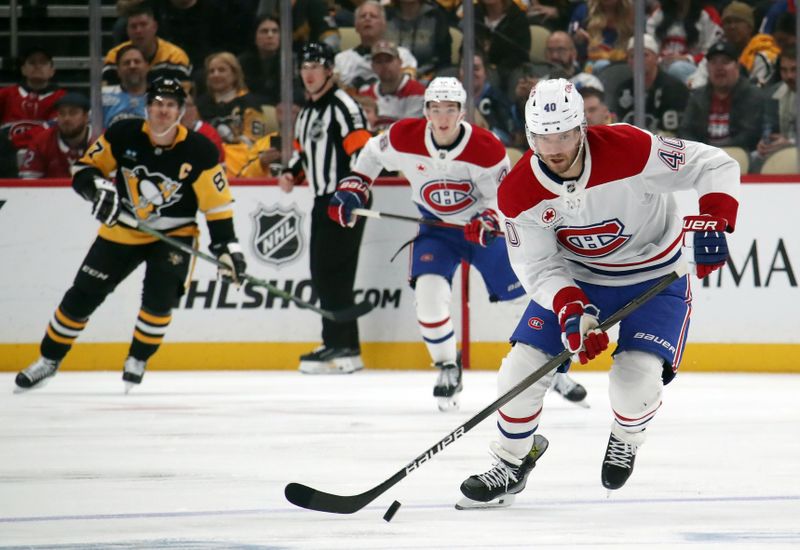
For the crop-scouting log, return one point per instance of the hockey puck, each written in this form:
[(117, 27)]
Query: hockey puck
[(392, 510)]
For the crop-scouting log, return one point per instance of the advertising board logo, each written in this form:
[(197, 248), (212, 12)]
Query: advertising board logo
[(277, 238)]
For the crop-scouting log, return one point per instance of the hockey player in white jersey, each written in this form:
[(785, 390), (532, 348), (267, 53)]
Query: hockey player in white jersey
[(591, 222), (454, 169)]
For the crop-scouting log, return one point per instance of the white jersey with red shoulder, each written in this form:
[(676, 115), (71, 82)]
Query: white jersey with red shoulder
[(453, 183), (618, 223)]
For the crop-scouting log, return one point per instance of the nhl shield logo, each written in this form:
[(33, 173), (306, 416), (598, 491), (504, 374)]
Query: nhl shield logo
[(277, 238)]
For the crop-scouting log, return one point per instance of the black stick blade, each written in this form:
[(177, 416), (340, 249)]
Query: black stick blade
[(351, 313), (311, 499)]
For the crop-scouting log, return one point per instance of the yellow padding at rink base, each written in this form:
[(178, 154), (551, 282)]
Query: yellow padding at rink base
[(380, 355)]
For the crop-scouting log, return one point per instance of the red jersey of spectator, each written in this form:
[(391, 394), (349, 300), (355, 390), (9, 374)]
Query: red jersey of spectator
[(48, 156), (24, 112)]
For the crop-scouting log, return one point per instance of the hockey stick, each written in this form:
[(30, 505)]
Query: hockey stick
[(422, 221), (312, 499), (340, 316)]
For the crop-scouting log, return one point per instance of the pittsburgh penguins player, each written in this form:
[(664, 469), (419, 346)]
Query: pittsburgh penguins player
[(164, 174)]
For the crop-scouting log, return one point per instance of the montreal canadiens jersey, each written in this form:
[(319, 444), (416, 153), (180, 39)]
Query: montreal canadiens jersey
[(618, 223), (453, 184)]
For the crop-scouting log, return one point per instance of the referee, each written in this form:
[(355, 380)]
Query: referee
[(329, 131)]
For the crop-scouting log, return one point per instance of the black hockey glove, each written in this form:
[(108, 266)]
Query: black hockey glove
[(105, 205), (230, 253)]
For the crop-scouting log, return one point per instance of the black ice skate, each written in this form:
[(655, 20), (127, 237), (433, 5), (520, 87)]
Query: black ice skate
[(497, 487), (133, 372), (571, 390), (36, 375), (448, 385), (618, 462), (325, 360)]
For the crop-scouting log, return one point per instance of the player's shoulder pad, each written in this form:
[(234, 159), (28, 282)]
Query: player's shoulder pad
[(483, 149), (124, 129), (408, 136), (618, 151), (520, 190), (203, 149)]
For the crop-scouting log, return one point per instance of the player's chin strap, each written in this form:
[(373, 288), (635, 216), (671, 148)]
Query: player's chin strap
[(171, 126)]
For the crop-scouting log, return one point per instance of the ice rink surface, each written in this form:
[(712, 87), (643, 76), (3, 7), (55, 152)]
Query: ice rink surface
[(200, 460)]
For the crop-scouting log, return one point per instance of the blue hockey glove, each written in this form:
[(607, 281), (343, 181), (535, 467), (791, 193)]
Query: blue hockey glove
[(352, 192), (709, 242)]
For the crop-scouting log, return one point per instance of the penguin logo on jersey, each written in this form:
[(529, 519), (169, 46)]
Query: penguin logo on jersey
[(149, 193), (593, 241), (447, 197), (277, 236)]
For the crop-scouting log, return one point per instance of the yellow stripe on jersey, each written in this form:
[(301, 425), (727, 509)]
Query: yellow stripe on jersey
[(126, 235)]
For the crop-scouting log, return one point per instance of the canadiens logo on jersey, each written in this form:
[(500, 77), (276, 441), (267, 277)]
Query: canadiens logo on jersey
[(593, 241), (447, 197), (277, 238), (149, 193)]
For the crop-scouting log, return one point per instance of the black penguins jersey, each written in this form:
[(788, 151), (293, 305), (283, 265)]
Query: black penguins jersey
[(162, 185)]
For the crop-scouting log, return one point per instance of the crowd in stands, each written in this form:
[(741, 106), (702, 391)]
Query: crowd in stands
[(721, 72)]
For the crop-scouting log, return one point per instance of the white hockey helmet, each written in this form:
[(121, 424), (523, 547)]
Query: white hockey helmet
[(554, 106), (446, 88)]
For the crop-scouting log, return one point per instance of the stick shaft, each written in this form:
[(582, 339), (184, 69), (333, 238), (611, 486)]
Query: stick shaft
[(128, 220), (420, 221)]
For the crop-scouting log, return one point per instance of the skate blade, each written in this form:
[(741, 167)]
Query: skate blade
[(448, 404), (129, 386), (501, 502), (582, 404), (38, 385)]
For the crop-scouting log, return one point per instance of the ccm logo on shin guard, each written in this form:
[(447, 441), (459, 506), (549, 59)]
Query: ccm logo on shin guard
[(655, 339)]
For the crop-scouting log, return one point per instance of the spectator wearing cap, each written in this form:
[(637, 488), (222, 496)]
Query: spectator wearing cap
[(666, 95), (353, 67), (757, 54), (126, 99), (53, 152), (727, 111), (164, 58), (25, 108), (396, 94)]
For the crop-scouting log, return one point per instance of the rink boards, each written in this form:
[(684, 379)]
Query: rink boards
[(743, 318)]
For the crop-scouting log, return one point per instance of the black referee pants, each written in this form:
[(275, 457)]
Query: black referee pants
[(334, 258)]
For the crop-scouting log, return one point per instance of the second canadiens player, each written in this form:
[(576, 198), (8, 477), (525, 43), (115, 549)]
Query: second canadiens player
[(454, 169), (591, 223)]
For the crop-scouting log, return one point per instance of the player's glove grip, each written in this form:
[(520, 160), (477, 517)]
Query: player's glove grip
[(579, 320), (230, 254), (709, 242), (481, 228), (105, 204), (352, 192)]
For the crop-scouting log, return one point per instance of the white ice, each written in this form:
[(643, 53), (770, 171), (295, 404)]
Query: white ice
[(200, 461)]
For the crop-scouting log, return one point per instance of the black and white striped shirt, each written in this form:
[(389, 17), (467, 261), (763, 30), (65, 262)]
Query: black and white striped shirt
[(329, 132)]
